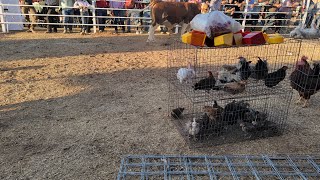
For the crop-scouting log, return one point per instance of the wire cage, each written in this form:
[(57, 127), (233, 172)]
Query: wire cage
[(241, 99), (219, 167)]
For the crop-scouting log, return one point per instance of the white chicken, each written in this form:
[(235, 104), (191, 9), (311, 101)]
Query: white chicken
[(186, 74), (193, 127)]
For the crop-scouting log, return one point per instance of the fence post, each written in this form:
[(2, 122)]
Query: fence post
[(305, 13), (2, 19), (94, 20), (245, 14)]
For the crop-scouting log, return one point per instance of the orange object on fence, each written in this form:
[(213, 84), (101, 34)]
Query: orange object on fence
[(198, 38)]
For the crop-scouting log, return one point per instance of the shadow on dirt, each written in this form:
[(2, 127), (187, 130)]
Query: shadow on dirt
[(14, 49)]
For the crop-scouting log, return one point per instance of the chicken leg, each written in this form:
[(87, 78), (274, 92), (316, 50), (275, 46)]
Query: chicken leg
[(306, 103), (299, 100)]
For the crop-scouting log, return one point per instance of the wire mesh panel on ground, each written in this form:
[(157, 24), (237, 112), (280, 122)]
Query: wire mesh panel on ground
[(224, 95), (219, 167)]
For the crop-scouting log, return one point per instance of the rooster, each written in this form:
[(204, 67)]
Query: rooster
[(305, 80), (260, 71)]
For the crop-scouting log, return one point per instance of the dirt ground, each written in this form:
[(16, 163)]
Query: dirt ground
[(71, 106)]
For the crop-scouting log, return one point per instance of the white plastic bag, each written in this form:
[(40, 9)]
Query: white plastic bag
[(199, 22), (215, 23), (218, 23)]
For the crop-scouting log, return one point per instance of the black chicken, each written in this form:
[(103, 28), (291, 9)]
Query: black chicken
[(260, 70), (244, 70), (206, 83), (235, 111), (176, 113), (272, 79), (305, 80)]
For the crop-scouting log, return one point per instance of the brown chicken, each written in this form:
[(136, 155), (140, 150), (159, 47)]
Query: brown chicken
[(214, 112), (305, 80), (235, 87)]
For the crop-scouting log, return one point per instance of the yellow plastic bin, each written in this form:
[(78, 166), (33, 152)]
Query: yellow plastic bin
[(186, 38), (224, 40), (275, 39), (237, 39)]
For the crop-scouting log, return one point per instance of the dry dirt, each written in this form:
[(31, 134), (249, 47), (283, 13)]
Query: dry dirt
[(71, 106)]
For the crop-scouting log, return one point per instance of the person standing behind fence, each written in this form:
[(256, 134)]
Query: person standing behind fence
[(101, 12), (130, 4), (67, 11), (286, 11), (255, 7), (50, 18), (215, 5), (118, 13), (83, 5), (30, 14)]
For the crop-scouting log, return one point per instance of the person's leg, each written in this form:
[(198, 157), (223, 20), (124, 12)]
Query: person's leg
[(25, 11), (280, 21), (55, 19), (122, 13), (99, 19), (104, 13), (65, 20), (89, 21), (116, 20), (49, 20), (83, 27), (268, 22), (86, 21), (128, 21), (70, 19), (33, 17)]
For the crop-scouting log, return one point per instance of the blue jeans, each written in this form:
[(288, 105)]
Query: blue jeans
[(120, 21), (67, 19), (84, 20), (101, 21)]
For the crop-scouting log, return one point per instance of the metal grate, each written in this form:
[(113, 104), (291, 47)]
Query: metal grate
[(220, 167)]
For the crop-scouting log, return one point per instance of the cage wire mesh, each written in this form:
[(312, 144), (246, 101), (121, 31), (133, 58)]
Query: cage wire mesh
[(246, 97), (219, 167)]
